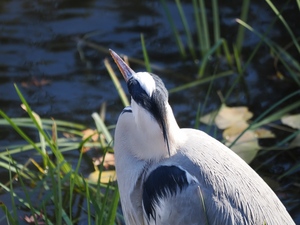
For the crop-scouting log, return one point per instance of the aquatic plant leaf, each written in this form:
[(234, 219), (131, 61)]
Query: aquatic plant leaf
[(209, 118), (34, 82), (264, 133), (292, 121), (105, 176), (90, 133), (247, 144), (247, 150), (228, 116), (295, 142), (109, 160), (232, 132)]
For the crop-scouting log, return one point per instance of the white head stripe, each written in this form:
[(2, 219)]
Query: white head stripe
[(146, 81)]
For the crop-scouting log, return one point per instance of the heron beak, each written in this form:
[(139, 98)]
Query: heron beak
[(126, 71)]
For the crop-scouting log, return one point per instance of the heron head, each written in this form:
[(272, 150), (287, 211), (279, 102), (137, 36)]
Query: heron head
[(148, 95)]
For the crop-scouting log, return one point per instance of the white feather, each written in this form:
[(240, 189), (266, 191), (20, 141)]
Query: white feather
[(147, 132), (146, 81)]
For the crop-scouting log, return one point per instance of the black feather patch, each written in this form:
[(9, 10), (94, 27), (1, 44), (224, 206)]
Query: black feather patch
[(155, 104), (163, 182)]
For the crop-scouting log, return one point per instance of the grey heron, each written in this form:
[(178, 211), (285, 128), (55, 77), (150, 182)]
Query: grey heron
[(172, 176)]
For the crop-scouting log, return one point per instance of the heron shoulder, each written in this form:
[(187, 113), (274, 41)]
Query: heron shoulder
[(164, 182), (127, 109)]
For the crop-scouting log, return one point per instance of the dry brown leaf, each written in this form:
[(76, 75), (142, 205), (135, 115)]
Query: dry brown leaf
[(35, 82), (90, 133), (109, 160), (41, 82), (85, 149), (228, 116), (231, 133), (209, 118), (234, 121), (34, 218), (246, 146), (264, 133), (295, 142), (292, 121), (68, 135), (106, 176), (246, 150), (36, 116)]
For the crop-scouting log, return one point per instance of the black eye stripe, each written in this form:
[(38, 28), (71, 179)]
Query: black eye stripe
[(155, 104), (138, 93)]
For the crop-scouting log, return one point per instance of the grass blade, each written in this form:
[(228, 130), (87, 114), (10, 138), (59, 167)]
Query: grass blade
[(198, 22), (9, 218), (42, 138), (20, 132), (145, 54), (102, 128), (205, 31), (117, 83), (259, 121), (241, 31), (59, 157), (281, 53), (190, 42), (201, 81), (287, 27), (207, 56), (216, 22), (174, 29), (114, 207)]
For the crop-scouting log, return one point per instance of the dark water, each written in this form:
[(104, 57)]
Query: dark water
[(38, 52)]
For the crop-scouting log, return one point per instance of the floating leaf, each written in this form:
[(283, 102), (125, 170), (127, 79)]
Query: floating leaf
[(68, 135), (228, 116), (35, 82), (209, 118), (246, 146), (109, 160), (231, 133), (292, 121), (295, 142), (90, 133), (246, 150), (106, 176), (34, 218), (234, 121), (264, 133)]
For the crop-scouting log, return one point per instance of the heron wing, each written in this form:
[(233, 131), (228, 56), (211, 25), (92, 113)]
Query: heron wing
[(169, 192)]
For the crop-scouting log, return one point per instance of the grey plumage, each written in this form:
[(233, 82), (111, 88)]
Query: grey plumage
[(167, 175)]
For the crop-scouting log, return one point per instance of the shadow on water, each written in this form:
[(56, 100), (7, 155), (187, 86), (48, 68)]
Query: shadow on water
[(38, 52)]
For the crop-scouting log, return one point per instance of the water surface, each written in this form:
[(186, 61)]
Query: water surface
[(39, 52)]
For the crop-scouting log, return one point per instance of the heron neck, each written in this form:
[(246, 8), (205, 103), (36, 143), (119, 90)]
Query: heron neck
[(173, 131)]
